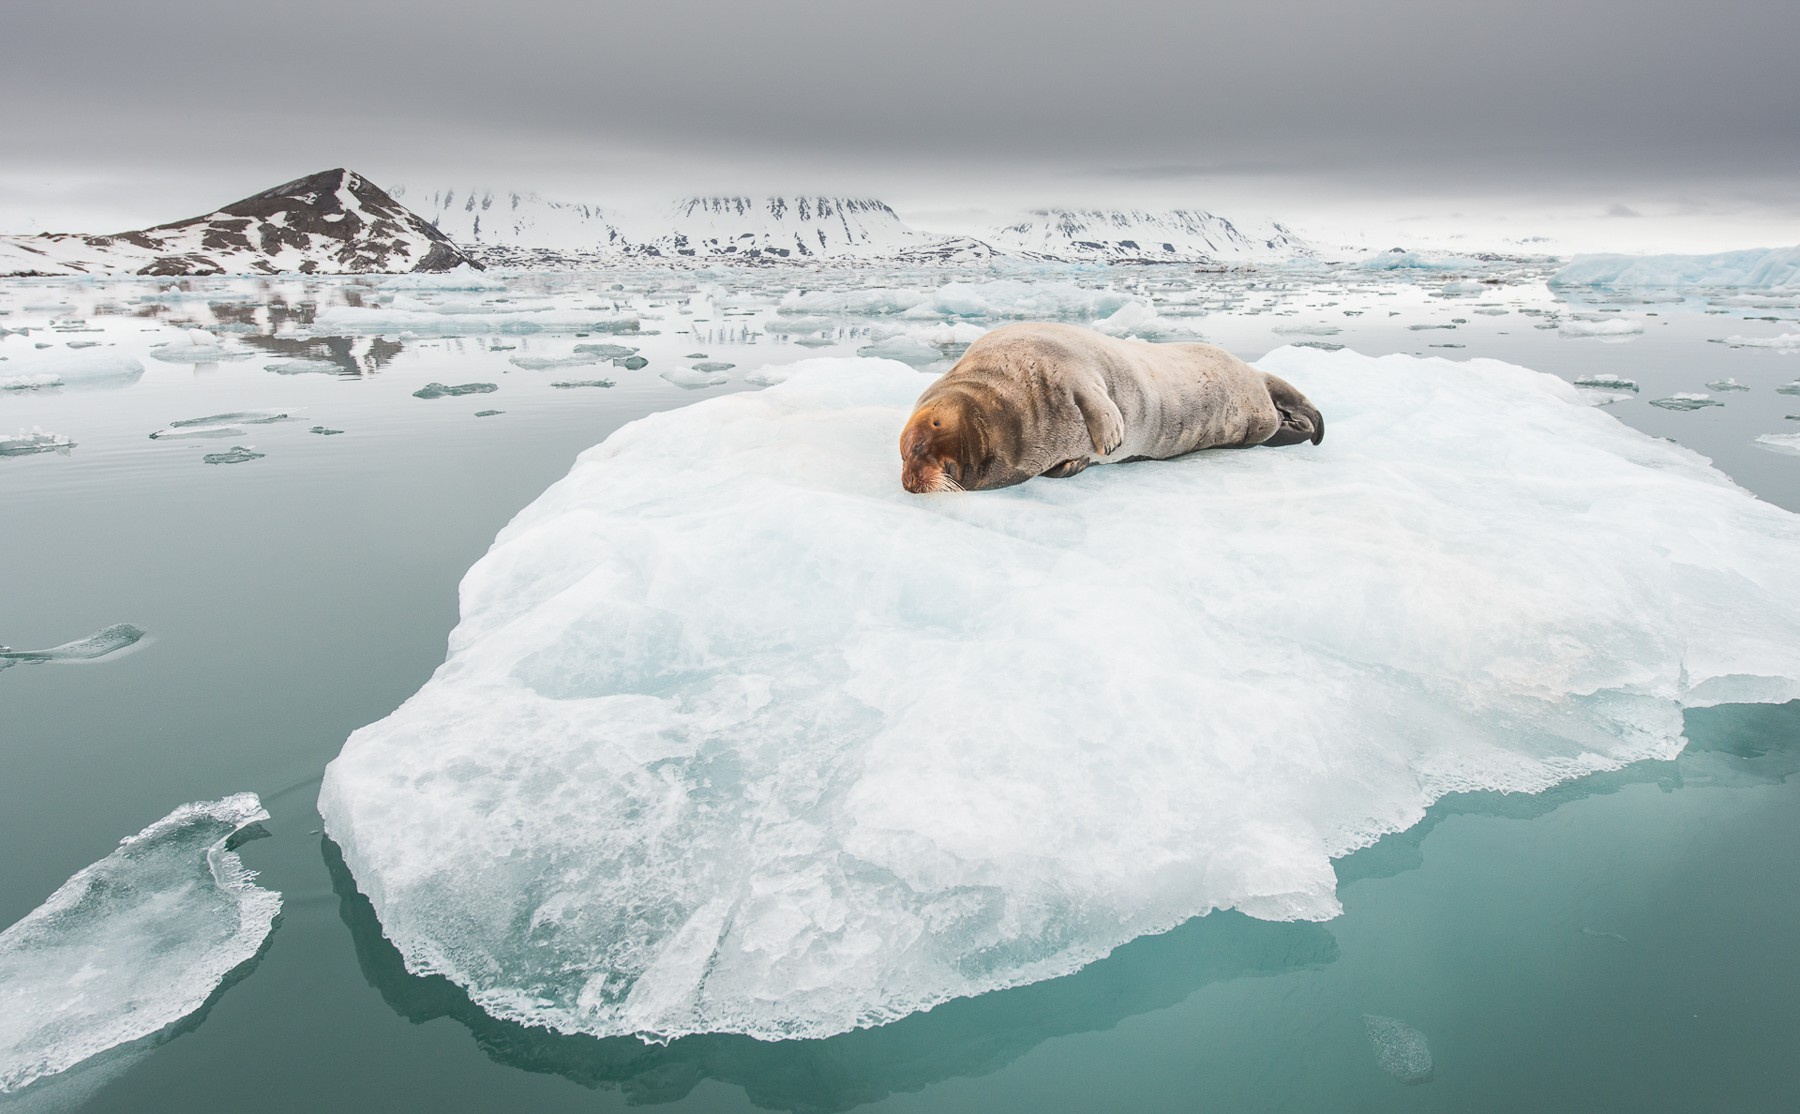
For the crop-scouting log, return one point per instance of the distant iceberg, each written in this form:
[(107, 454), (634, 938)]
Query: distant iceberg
[(1758, 268), (131, 944), (736, 735)]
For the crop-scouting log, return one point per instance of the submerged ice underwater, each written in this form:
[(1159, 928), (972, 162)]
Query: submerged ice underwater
[(736, 736)]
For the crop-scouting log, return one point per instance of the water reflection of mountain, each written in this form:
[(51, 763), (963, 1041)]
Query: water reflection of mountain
[(967, 1037), (350, 356)]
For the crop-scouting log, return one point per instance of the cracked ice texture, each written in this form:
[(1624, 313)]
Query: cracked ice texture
[(737, 735)]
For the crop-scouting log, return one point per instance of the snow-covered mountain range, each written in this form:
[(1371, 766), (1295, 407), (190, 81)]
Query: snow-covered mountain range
[(333, 222), (1136, 236), (338, 222), (522, 228)]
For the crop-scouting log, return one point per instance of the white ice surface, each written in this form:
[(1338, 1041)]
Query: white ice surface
[(131, 944), (737, 735), (1760, 268)]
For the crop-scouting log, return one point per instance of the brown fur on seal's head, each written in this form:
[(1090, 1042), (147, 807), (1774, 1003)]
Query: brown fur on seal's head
[(955, 441), (1048, 400)]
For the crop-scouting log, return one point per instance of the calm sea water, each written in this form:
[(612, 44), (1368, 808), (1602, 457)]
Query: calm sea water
[(1624, 942)]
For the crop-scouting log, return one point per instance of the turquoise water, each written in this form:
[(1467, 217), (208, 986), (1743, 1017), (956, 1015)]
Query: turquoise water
[(1621, 942)]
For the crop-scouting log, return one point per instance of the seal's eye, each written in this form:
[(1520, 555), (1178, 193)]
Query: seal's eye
[(935, 424)]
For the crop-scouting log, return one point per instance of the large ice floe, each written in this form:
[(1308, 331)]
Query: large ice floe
[(1757, 268), (737, 735), (131, 944)]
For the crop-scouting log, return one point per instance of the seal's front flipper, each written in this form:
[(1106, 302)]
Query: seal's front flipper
[(1300, 419), (1067, 468), (1106, 426)]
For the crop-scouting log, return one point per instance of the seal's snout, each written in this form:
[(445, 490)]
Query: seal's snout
[(924, 465)]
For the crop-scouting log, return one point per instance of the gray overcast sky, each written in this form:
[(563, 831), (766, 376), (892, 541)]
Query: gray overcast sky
[(127, 111)]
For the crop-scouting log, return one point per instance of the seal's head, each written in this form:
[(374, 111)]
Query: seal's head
[(942, 446)]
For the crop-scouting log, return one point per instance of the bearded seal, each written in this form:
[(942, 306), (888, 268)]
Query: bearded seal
[(1048, 400)]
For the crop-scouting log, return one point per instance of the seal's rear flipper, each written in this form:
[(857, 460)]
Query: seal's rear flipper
[(1300, 419), (1067, 468)]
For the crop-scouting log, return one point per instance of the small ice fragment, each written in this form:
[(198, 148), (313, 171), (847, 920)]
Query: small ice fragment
[(606, 351), (1610, 327), (488, 413), (906, 349), (102, 643), (305, 366), (440, 390), (551, 363), (1780, 442), (35, 441), (631, 363), (237, 454), (218, 425), (1726, 385), (1428, 328), (1321, 345), (1685, 401), (713, 365), (1786, 342), (1608, 382), (1789, 388), (693, 380), (326, 431), (1400, 1049), (695, 356), (1306, 330), (567, 383), (1599, 934), (29, 382), (131, 944)]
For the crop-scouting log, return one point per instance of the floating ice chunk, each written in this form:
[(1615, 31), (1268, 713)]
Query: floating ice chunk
[(948, 334), (631, 363), (460, 277), (218, 425), (365, 320), (1686, 400), (1780, 442), (1428, 328), (85, 368), (325, 431), (1399, 1048), (29, 382), (903, 348), (694, 380), (1608, 383), (133, 943), (568, 383), (606, 351), (1139, 319), (489, 413), (713, 365), (1785, 342), (304, 366), (440, 390), (552, 363), (102, 643), (1610, 327), (1762, 268), (1302, 330), (1397, 259), (35, 440), (198, 347), (737, 735), (1726, 385), (237, 454)]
